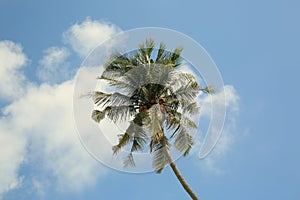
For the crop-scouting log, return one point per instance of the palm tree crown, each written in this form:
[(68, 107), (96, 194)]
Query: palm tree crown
[(155, 97)]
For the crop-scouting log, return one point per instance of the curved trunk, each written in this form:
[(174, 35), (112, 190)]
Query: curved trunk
[(178, 174)]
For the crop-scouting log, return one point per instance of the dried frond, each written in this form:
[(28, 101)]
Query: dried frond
[(209, 89), (98, 115), (160, 157), (124, 139), (183, 141), (129, 161)]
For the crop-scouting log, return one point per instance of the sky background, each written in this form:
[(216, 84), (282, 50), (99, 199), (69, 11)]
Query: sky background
[(255, 45)]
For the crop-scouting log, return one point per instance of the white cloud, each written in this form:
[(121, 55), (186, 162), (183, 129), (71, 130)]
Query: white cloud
[(53, 66), (12, 155), (84, 37), (12, 59), (231, 100), (39, 187), (38, 127), (228, 135), (45, 116)]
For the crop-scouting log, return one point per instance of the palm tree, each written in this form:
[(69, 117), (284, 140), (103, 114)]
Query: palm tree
[(157, 100)]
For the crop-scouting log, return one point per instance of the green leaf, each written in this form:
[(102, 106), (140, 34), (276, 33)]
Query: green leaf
[(161, 51), (176, 55)]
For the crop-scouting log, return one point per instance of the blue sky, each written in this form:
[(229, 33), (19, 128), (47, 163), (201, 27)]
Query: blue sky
[(255, 45)]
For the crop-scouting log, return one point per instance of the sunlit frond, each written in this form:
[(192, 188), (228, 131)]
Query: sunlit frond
[(116, 99), (188, 122), (119, 83), (188, 92), (176, 56), (145, 50), (118, 63), (190, 108), (114, 113), (182, 78), (172, 122), (161, 52), (119, 113)]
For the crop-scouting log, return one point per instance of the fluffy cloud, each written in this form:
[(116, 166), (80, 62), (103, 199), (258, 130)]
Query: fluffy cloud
[(44, 117), (38, 125), (53, 66), (12, 155), (84, 37), (12, 59), (228, 135)]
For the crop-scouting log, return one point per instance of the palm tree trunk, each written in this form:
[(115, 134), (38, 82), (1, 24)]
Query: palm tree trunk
[(177, 172)]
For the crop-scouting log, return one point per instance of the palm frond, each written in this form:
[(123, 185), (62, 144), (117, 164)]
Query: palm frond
[(188, 122), (190, 108), (150, 46), (209, 89), (188, 92), (176, 56), (119, 113), (161, 52), (172, 103), (124, 139), (182, 78), (102, 99), (139, 142), (145, 50), (98, 115), (161, 74), (114, 113), (118, 63), (135, 134), (137, 76), (129, 161), (156, 117), (156, 140), (183, 141), (160, 157), (118, 82), (172, 122), (177, 121)]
